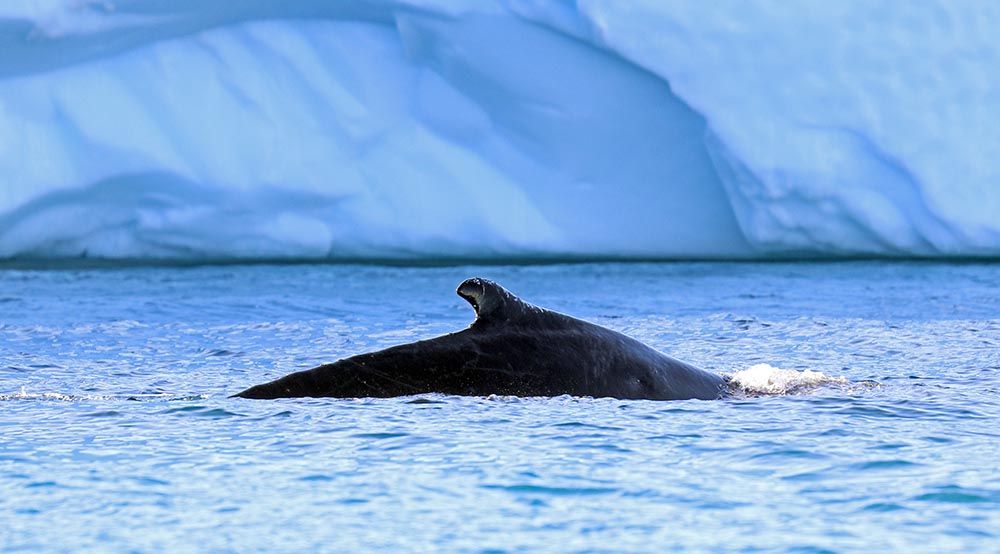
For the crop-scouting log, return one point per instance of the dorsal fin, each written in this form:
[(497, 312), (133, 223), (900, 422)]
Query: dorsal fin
[(491, 301)]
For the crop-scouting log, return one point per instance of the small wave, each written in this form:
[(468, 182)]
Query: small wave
[(551, 490), (202, 411), (765, 379), (23, 394)]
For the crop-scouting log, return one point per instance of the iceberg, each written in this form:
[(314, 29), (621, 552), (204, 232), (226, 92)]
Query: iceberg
[(212, 130)]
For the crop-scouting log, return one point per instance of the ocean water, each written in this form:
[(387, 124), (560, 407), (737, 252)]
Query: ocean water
[(117, 433)]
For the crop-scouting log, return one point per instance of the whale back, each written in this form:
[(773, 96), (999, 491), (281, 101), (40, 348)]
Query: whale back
[(559, 353), (512, 348)]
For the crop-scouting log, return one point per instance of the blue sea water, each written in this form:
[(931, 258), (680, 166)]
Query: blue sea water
[(117, 433)]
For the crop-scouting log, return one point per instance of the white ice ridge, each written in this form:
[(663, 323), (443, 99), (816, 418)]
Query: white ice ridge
[(479, 129)]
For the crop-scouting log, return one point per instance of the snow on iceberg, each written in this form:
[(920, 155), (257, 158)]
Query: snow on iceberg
[(406, 129)]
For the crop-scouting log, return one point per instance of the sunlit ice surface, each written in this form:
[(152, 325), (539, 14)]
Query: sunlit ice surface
[(377, 129)]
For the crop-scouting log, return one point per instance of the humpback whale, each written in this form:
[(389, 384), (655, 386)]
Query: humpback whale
[(512, 348)]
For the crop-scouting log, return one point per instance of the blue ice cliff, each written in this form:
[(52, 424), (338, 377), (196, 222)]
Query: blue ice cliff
[(409, 129)]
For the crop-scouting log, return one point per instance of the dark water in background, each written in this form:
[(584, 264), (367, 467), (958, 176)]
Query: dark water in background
[(116, 433)]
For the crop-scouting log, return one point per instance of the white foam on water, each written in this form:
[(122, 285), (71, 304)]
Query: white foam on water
[(23, 394), (765, 379)]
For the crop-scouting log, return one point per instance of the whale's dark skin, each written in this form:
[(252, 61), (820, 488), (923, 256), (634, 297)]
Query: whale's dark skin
[(512, 348)]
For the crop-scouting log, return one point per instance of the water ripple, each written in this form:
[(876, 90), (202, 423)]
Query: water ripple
[(555, 491), (122, 428), (953, 494), (202, 411)]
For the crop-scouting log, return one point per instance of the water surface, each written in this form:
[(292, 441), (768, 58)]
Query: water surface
[(118, 434)]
